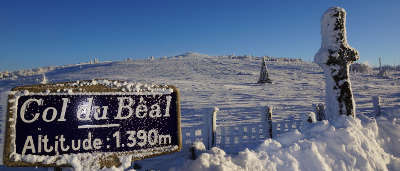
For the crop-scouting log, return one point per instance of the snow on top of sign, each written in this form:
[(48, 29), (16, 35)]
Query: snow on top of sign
[(126, 86)]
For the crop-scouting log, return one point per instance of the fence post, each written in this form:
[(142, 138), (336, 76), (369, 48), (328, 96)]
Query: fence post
[(376, 101), (196, 149), (269, 120), (320, 111), (311, 118), (212, 128)]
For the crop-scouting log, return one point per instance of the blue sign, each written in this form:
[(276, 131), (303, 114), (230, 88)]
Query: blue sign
[(71, 123)]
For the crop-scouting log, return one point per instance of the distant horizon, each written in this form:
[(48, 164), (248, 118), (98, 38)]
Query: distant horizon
[(47, 33), (91, 59)]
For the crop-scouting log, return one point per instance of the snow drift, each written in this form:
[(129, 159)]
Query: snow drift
[(344, 144)]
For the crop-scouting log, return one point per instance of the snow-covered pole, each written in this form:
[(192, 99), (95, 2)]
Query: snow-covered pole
[(212, 128), (264, 76), (376, 101), (44, 79), (196, 149), (311, 118), (334, 57), (320, 111), (269, 120)]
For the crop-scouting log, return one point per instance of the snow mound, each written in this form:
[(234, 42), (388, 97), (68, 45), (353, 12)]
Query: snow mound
[(344, 144)]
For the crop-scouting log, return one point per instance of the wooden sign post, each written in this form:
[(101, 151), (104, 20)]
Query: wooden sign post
[(335, 56), (93, 124)]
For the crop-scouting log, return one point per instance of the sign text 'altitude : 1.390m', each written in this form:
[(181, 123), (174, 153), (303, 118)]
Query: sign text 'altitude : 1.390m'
[(103, 121)]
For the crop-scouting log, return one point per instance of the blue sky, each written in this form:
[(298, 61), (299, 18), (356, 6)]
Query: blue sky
[(47, 33)]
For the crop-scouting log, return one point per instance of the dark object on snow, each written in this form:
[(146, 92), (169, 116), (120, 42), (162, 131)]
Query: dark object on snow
[(196, 150), (311, 118), (264, 76), (269, 119), (376, 101), (320, 111), (335, 56), (211, 128)]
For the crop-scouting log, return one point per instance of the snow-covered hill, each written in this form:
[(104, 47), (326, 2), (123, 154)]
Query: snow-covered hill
[(228, 83)]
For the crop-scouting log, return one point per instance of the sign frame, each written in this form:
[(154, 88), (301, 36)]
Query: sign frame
[(106, 159)]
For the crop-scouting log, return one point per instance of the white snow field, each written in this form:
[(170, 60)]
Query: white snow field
[(243, 143)]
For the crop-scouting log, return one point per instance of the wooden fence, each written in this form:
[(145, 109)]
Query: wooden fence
[(237, 137)]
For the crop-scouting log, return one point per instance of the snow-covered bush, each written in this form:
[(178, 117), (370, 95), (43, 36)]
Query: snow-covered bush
[(383, 73), (391, 68), (364, 68), (241, 57), (385, 70), (44, 79), (282, 59)]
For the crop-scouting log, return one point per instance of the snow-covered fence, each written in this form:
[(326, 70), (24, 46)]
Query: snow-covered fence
[(385, 101), (235, 138), (205, 133), (230, 138), (384, 104), (281, 126), (193, 134)]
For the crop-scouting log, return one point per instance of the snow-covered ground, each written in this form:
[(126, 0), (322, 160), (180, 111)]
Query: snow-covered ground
[(229, 83)]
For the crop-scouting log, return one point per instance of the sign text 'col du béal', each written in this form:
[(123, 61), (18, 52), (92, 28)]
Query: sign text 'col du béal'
[(99, 118)]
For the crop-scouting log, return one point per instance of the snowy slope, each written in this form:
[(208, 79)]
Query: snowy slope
[(228, 83)]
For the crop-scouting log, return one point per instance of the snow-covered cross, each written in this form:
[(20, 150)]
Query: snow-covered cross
[(264, 76), (335, 56)]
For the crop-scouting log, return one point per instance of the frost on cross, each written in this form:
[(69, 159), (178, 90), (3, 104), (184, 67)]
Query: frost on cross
[(264, 76), (334, 57)]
